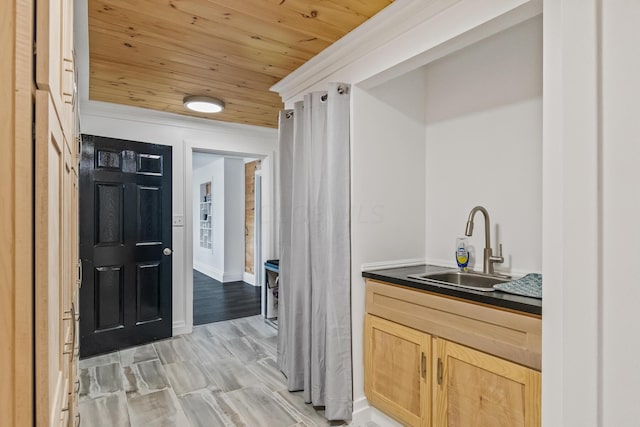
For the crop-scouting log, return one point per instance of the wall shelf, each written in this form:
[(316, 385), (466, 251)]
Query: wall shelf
[(206, 235)]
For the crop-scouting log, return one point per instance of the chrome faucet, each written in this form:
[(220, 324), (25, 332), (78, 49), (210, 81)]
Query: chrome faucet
[(489, 259)]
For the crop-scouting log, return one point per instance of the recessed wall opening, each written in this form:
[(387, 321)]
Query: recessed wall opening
[(461, 131)]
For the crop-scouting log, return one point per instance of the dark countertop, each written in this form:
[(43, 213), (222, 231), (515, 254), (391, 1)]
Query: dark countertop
[(398, 276), (273, 265)]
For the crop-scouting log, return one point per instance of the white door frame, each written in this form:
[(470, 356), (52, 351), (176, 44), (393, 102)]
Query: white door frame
[(257, 234), (268, 211)]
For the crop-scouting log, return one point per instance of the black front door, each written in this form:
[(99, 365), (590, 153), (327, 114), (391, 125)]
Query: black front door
[(125, 244)]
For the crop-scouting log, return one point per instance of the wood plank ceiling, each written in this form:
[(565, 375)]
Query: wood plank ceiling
[(152, 53)]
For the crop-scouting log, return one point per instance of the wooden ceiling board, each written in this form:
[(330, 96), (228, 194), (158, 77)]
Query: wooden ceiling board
[(168, 96), (337, 14), (113, 48), (187, 27), (249, 25), (119, 78), (276, 15), (179, 41), (151, 54), (183, 72), (173, 106)]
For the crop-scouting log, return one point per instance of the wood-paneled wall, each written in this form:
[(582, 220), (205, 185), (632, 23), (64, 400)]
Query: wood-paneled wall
[(249, 213), (16, 213)]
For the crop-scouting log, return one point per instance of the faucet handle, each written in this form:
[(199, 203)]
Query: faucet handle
[(499, 258)]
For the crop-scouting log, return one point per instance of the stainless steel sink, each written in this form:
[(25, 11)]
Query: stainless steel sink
[(475, 281)]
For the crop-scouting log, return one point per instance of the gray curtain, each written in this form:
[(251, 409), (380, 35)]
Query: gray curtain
[(314, 315)]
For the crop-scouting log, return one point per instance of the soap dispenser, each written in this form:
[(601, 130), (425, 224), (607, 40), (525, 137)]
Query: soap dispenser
[(462, 253)]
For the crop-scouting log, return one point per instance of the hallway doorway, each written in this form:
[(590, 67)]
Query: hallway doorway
[(225, 236)]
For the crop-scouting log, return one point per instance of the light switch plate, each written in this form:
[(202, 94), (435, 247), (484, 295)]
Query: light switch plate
[(178, 221)]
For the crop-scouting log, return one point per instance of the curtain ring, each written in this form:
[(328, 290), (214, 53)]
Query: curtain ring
[(289, 114), (342, 90), (324, 97)]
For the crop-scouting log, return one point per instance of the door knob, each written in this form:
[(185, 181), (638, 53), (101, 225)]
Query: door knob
[(167, 251)]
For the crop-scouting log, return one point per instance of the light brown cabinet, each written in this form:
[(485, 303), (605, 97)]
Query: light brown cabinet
[(477, 389), (396, 370), (417, 374), (57, 273), (57, 276)]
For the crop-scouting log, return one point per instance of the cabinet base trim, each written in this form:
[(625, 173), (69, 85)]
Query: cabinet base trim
[(364, 413)]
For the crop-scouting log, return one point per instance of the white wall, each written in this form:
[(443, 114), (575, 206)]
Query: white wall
[(233, 219), (620, 157), (225, 261), (590, 322), (185, 135), (484, 147), (387, 190), (209, 261)]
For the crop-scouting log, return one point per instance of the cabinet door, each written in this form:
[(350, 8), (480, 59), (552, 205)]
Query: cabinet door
[(52, 327), (474, 389), (396, 370), (54, 57), (70, 285)]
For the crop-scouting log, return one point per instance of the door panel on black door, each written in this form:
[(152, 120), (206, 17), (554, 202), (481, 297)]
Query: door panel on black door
[(125, 214), (109, 208), (149, 214), (109, 298), (148, 287)]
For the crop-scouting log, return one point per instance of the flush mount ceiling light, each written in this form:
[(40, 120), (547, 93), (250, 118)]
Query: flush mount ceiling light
[(203, 104)]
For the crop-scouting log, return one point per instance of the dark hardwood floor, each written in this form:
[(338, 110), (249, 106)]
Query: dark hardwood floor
[(214, 301)]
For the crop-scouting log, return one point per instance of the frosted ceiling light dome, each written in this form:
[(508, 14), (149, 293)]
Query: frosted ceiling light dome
[(203, 104)]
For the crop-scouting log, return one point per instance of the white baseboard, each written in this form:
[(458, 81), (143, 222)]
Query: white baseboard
[(180, 328), (382, 420), (363, 413), (232, 277), (249, 278), (380, 265), (209, 271), (220, 276)]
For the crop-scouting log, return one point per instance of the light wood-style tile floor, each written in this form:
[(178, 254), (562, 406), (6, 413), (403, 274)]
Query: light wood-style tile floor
[(223, 374)]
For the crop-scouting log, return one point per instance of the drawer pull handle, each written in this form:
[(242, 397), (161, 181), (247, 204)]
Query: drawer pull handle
[(73, 332), (439, 371), (423, 365)]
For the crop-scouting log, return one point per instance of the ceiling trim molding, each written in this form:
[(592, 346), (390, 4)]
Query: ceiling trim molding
[(392, 21)]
